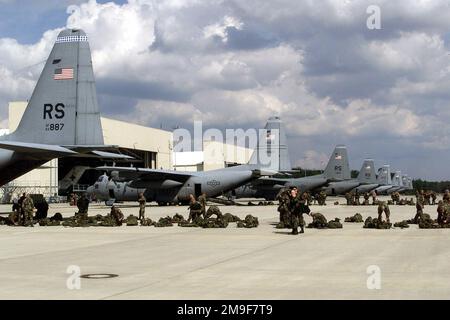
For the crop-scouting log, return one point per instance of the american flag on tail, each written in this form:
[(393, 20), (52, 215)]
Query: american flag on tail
[(63, 74)]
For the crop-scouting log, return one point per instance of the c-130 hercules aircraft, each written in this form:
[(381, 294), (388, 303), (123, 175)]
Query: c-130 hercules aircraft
[(62, 117), (337, 169), (170, 186)]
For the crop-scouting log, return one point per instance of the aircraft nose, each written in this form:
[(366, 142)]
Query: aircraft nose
[(90, 190)]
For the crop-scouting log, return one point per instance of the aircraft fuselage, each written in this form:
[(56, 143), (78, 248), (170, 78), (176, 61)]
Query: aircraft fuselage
[(365, 188), (341, 187), (213, 183), (260, 189)]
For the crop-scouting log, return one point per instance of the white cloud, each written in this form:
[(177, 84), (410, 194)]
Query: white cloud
[(314, 64), (220, 29)]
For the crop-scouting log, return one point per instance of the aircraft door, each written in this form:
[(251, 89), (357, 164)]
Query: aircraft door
[(111, 194), (198, 189)]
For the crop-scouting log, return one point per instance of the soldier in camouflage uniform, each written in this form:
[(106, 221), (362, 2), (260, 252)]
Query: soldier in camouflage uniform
[(383, 207), (309, 198), (322, 198), (27, 208), (195, 209), (117, 215), (374, 197), (213, 211), (142, 202), (366, 199), (348, 197), (420, 204), (393, 197), (202, 201), (357, 203), (397, 197), (283, 198), (446, 197), (442, 213), (83, 205), (433, 198), (297, 207), (21, 213)]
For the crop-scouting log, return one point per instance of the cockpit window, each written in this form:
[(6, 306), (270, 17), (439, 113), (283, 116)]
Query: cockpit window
[(100, 179)]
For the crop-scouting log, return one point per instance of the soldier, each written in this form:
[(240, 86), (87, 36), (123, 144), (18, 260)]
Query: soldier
[(322, 198), (202, 201), (383, 207), (195, 209), (297, 208), (117, 215), (374, 197), (357, 203), (27, 208), (442, 213), (366, 198), (283, 198), (21, 216), (83, 205), (213, 210), (421, 195), (433, 197), (393, 197), (420, 203), (446, 197), (348, 197), (142, 202), (309, 198)]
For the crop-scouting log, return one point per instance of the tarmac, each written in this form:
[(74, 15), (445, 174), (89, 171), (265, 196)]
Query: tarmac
[(232, 263)]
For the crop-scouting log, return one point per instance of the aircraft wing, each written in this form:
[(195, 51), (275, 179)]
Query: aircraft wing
[(26, 147), (103, 155), (60, 151), (88, 147), (145, 174), (96, 151)]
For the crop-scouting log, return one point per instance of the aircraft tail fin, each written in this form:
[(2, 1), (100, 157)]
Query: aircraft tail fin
[(384, 175), (63, 108), (272, 146), (338, 167), (405, 181), (72, 177), (397, 179), (367, 172)]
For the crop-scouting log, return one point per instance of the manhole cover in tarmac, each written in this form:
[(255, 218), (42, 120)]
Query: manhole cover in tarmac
[(99, 276)]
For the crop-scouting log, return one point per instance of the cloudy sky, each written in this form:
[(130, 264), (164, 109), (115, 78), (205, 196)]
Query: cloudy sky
[(232, 64)]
